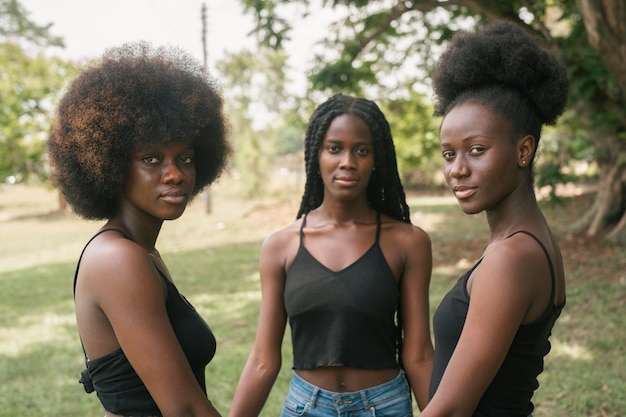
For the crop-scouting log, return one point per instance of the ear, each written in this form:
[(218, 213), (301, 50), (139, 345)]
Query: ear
[(525, 150)]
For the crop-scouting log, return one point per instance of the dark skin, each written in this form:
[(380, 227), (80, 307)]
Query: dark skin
[(120, 297), (337, 233), (487, 169)]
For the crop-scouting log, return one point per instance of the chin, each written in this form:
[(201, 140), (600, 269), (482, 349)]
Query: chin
[(173, 216), (468, 209)]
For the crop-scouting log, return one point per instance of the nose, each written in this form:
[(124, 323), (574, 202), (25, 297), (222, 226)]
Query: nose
[(457, 168), (347, 160), (172, 174)]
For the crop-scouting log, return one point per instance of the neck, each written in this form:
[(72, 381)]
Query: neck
[(344, 213), (513, 215), (144, 233)]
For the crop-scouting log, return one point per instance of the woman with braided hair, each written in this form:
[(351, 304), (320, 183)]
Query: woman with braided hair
[(495, 89), (351, 275)]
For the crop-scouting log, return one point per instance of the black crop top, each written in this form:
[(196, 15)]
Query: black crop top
[(343, 318), (511, 390), (116, 383)]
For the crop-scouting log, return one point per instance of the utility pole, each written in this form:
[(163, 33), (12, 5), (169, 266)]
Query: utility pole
[(204, 32), (208, 200)]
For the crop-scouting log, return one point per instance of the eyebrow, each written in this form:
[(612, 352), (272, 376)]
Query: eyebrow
[(467, 138)]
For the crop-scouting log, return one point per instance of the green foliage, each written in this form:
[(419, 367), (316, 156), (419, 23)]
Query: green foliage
[(29, 87), (382, 49), (256, 100), (377, 47), (415, 136), (289, 139), (15, 24), (566, 155)]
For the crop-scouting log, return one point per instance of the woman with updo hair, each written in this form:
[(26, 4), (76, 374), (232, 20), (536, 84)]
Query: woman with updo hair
[(495, 89), (138, 134)]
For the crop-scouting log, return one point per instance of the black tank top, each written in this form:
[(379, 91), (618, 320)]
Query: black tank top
[(511, 391), (116, 383), (343, 318)]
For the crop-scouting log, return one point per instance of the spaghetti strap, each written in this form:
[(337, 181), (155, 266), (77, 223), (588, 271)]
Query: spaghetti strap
[(302, 228), (76, 276), (545, 250), (87, 244)]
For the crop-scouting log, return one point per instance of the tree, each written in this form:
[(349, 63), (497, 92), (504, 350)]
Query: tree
[(29, 85), (16, 26), (28, 91), (373, 39), (415, 138), (256, 91)]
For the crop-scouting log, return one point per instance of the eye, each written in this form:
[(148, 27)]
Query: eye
[(187, 160), (476, 150), (362, 151), (447, 155), (332, 148), (150, 159)]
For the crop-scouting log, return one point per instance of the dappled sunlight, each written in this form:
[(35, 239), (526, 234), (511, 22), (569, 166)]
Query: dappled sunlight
[(427, 221), (454, 268), (31, 331), (571, 351), (242, 297)]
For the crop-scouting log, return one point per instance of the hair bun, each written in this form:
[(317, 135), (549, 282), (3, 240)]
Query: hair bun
[(503, 54)]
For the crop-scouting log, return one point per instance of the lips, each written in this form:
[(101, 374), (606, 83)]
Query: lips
[(462, 191), (347, 181), (174, 196)]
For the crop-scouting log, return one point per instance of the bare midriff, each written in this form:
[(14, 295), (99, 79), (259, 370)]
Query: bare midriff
[(343, 379)]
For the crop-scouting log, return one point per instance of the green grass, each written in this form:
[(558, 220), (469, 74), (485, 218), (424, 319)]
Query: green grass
[(213, 258)]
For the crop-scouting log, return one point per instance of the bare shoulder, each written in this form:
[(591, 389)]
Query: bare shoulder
[(517, 253), (517, 263), (283, 237), (404, 234), (280, 247), (111, 259), (408, 250)]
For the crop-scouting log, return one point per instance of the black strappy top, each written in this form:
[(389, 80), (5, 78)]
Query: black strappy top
[(343, 318), (511, 390), (113, 378)]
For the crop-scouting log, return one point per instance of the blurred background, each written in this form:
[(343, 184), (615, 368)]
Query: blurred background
[(276, 60)]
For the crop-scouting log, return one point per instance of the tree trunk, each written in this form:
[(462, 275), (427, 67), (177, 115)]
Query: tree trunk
[(605, 22), (609, 198), (618, 234), (62, 202)]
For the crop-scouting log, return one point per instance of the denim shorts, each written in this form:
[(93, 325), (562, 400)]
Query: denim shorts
[(391, 399)]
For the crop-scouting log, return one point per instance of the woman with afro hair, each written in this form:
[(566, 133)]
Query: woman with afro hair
[(351, 275), (137, 135), (495, 89)]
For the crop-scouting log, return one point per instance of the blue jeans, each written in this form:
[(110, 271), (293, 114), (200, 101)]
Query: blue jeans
[(391, 399)]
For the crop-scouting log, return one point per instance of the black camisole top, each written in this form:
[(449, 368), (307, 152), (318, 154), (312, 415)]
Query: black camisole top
[(112, 377), (510, 392), (343, 318)]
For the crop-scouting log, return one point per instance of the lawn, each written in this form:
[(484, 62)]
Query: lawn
[(213, 258)]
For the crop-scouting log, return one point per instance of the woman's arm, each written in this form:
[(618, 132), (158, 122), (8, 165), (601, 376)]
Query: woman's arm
[(263, 364), (501, 294), (121, 283), (417, 353)]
